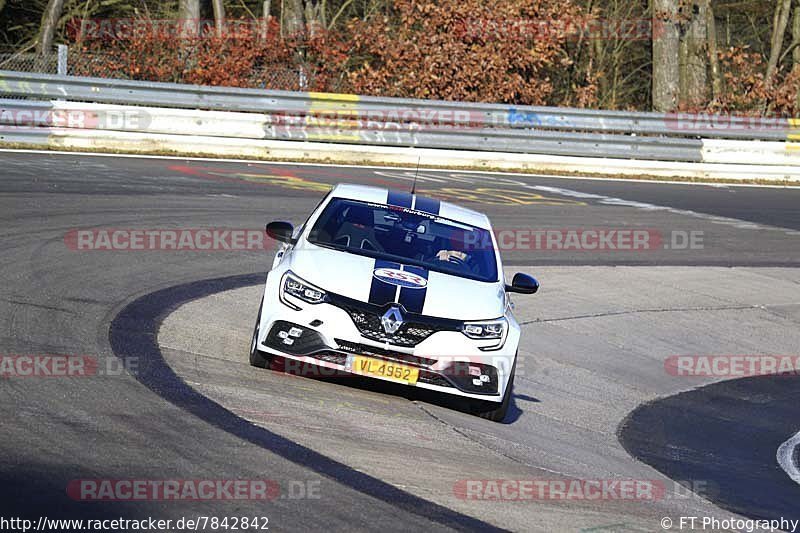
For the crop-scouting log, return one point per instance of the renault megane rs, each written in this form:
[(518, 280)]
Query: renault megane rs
[(397, 287)]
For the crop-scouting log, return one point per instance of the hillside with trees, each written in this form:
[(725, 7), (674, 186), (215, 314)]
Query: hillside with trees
[(696, 55)]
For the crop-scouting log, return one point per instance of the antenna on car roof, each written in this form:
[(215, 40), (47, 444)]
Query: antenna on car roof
[(414, 185)]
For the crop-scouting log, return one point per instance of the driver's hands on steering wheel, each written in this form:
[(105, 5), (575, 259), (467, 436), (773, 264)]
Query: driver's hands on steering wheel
[(451, 256)]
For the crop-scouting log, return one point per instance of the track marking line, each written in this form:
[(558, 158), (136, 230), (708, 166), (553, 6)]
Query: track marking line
[(378, 167), (785, 458), (610, 200)]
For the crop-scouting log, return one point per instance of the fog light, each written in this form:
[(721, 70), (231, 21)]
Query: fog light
[(295, 332), (288, 341), (477, 382), (282, 334)]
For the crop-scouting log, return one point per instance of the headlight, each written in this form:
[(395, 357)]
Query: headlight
[(300, 289), (490, 329)]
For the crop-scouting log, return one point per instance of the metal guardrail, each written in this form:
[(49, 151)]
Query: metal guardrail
[(325, 117)]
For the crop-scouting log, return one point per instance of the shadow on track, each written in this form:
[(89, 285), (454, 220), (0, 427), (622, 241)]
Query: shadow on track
[(133, 335), (725, 435)]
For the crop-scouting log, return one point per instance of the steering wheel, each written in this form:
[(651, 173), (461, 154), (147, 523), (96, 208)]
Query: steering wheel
[(375, 245), (456, 261)]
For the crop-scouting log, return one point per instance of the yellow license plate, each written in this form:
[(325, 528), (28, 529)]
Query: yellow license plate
[(384, 369)]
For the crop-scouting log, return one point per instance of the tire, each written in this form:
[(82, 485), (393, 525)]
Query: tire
[(492, 411), (258, 358)]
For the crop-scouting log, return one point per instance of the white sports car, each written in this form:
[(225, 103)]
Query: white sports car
[(397, 287)]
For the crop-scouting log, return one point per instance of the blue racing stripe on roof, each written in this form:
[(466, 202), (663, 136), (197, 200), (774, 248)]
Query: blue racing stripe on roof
[(427, 205), (399, 199)]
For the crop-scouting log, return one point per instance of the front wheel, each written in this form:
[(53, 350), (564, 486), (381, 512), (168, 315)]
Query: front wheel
[(492, 411), (257, 357)]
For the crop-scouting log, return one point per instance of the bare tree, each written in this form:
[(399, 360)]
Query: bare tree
[(189, 16), (52, 14), (693, 54), (292, 17), (302, 17), (219, 15), (314, 15), (796, 37), (779, 22), (717, 85), (666, 44), (265, 16)]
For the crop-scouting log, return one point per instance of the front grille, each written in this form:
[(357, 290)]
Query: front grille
[(363, 349), (367, 318), (369, 324), (330, 357)]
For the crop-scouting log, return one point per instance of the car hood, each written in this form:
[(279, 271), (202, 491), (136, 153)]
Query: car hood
[(377, 281)]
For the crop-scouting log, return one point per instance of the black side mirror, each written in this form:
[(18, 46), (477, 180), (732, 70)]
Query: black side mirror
[(280, 231), (523, 284)]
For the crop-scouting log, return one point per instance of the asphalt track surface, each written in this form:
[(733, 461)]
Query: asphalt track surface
[(382, 458)]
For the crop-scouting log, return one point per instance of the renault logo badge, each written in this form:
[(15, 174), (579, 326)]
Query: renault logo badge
[(392, 320)]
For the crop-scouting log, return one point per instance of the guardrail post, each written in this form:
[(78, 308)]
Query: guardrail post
[(303, 78), (62, 59)]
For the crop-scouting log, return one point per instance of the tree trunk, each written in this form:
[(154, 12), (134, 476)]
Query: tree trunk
[(665, 55), (694, 79), (293, 17), (796, 36), (597, 55), (189, 17), (219, 16), (314, 16), (779, 22), (796, 51), (49, 22), (717, 85), (265, 16)]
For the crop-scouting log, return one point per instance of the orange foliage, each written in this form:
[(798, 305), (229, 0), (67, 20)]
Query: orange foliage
[(462, 50), (241, 58)]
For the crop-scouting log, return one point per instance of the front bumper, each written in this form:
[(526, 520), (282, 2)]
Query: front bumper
[(326, 336)]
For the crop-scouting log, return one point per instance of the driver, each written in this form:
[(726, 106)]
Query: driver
[(451, 256)]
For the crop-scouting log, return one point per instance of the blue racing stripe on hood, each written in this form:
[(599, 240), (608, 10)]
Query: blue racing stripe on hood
[(380, 292), (414, 299)]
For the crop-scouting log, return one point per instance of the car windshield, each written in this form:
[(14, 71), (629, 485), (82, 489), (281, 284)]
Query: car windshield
[(406, 236)]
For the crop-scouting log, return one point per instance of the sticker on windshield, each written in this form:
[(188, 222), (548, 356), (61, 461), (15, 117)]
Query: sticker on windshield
[(400, 278)]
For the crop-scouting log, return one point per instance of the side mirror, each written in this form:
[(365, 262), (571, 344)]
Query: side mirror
[(523, 284), (280, 231)]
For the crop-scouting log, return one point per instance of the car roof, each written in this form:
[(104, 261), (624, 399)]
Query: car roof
[(381, 195)]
